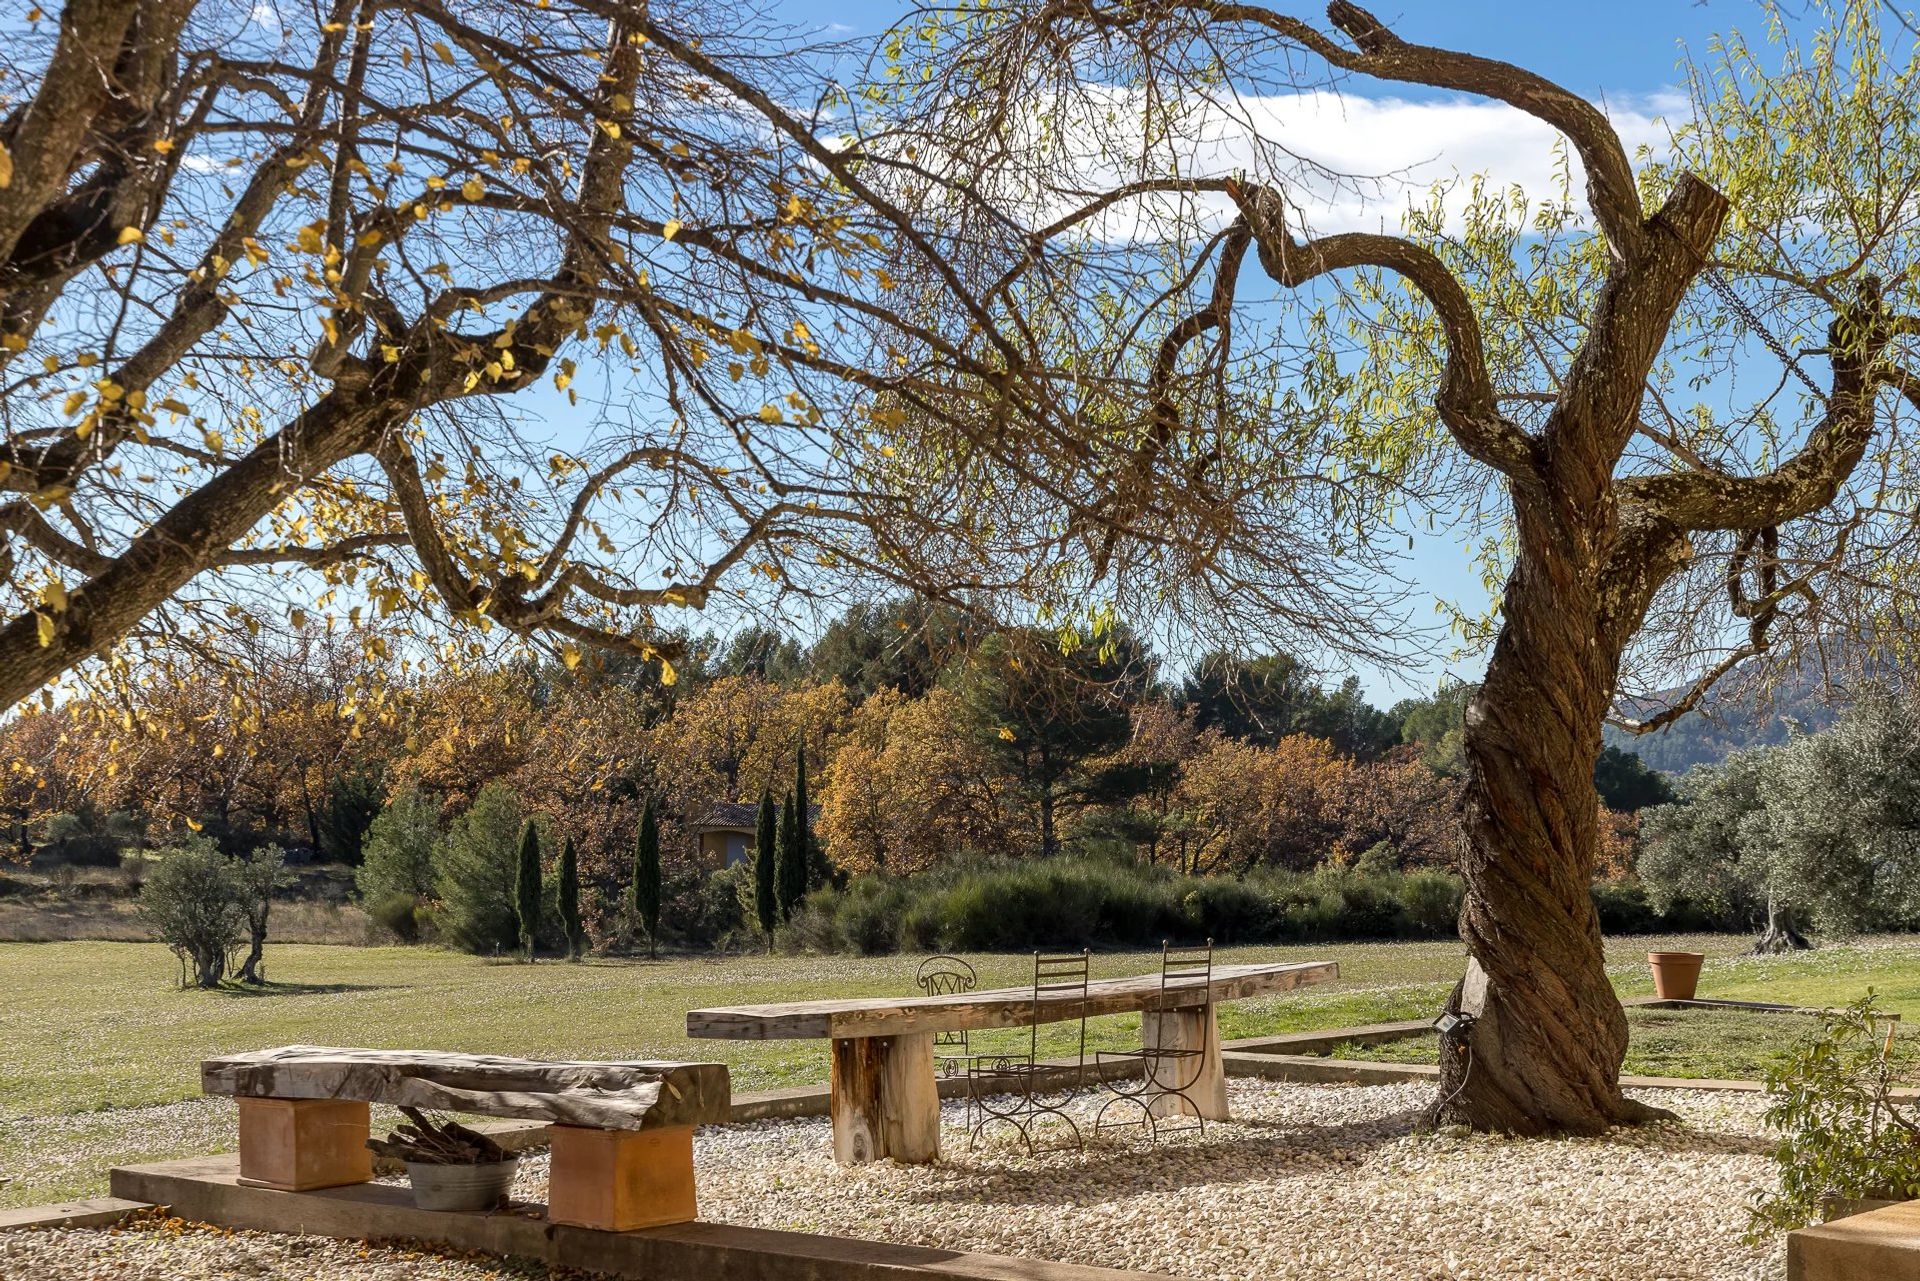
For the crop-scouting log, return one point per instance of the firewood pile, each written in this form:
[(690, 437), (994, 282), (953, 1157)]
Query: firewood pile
[(426, 1142)]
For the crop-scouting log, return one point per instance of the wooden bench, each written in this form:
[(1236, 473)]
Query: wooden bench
[(621, 1133)]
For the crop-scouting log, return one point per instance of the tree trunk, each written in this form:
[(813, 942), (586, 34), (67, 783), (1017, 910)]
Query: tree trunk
[(1546, 1035), (256, 950), (1047, 839), (1783, 930)]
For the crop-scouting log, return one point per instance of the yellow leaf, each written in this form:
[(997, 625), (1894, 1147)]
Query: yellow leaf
[(45, 624), (671, 230), (195, 826), (54, 595), (1006, 733), (131, 235), (14, 342), (570, 655), (473, 189), (667, 675), (6, 167), (440, 48)]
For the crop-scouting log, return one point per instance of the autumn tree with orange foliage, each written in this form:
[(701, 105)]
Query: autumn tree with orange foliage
[(909, 787)]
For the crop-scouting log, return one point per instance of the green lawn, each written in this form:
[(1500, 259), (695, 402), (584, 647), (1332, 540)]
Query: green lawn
[(89, 1030), (1729, 1044)]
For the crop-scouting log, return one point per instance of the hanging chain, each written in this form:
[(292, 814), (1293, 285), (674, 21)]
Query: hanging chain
[(1760, 331)]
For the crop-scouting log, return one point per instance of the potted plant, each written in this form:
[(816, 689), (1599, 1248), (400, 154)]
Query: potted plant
[(1846, 1143), (1675, 974), (449, 1166)]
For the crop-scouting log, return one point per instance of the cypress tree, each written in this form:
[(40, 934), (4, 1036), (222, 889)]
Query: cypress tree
[(570, 901), (646, 878), (526, 889), (766, 859), (803, 814), (790, 877)]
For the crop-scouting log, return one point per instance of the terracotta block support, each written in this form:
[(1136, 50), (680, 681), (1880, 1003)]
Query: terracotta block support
[(296, 1145), (620, 1180)]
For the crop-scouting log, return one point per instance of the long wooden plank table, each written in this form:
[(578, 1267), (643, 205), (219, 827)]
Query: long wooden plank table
[(885, 1098)]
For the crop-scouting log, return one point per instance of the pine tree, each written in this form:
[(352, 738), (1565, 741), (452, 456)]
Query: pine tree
[(526, 889), (790, 877), (766, 861), (646, 878), (570, 901)]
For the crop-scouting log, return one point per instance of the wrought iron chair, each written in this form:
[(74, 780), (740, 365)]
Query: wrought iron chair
[(1151, 1077), (946, 976), (1014, 1087)]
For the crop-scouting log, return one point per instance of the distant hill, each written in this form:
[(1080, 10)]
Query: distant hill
[(1730, 722)]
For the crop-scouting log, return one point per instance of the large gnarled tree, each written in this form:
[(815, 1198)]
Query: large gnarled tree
[(1593, 362), (543, 318)]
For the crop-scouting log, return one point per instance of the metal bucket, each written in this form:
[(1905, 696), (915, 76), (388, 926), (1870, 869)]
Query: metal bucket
[(462, 1187)]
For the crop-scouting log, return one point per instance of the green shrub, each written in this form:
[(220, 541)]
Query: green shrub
[(1623, 907), (1430, 903), (703, 910), (399, 914), (1843, 1136), (1228, 910)]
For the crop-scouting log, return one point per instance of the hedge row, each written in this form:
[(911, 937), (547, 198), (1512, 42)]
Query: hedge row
[(1071, 903)]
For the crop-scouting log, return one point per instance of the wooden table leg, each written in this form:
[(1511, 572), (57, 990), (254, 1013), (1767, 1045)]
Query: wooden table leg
[(296, 1145), (1188, 1030), (885, 1101)]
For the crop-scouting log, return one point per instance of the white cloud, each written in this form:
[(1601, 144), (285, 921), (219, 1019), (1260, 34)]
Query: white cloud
[(1349, 162), (1400, 148)]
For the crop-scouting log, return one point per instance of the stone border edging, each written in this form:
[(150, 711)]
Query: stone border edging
[(90, 1212)]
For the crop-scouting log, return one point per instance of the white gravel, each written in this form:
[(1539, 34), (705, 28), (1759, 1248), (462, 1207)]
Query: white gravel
[(157, 1249), (1321, 1182)]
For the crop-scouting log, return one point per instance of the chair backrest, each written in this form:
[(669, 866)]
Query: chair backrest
[(1185, 971), (1058, 979), (946, 976)]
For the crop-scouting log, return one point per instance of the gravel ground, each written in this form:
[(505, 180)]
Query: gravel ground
[(157, 1249), (1322, 1182)]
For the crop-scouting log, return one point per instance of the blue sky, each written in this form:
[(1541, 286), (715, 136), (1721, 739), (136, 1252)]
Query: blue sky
[(1623, 54), (1627, 47)]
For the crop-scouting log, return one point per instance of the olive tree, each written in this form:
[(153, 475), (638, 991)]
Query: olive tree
[(258, 876), (1821, 834), (1673, 399), (195, 903)]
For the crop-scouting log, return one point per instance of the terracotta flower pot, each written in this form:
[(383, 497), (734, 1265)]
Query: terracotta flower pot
[(1675, 974)]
